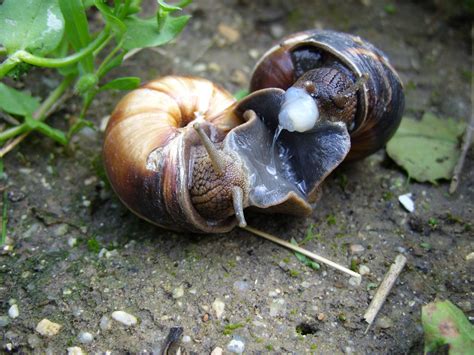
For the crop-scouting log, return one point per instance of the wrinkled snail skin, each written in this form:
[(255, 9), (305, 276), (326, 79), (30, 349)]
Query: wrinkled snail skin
[(380, 99)]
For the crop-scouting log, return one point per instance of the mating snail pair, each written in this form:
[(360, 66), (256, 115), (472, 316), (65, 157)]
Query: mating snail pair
[(181, 153)]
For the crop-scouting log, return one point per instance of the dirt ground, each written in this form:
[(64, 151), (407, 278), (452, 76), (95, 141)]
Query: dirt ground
[(76, 254)]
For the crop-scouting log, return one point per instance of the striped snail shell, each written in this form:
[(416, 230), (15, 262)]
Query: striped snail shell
[(336, 61), (181, 153)]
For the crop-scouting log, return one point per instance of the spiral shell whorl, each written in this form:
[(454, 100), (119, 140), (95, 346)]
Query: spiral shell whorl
[(380, 100), (144, 150)]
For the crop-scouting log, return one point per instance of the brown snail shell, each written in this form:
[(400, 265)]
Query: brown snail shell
[(380, 101), (199, 177), (147, 147)]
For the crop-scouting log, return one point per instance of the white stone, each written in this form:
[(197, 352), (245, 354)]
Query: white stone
[(47, 328), (186, 339), (13, 311), (85, 338), (218, 306), (470, 256), (124, 318), (355, 281), (72, 242), (236, 346), (407, 202), (356, 249), (217, 351), (178, 292), (277, 307), (75, 350), (364, 270)]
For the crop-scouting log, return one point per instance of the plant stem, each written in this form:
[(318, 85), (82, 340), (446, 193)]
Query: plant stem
[(62, 62), (3, 51), (40, 113), (107, 59), (8, 64)]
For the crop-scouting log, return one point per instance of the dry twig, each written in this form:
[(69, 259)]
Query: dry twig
[(300, 250), (467, 138), (384, 289)]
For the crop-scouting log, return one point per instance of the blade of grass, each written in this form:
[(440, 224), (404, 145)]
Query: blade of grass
[(77, 29)]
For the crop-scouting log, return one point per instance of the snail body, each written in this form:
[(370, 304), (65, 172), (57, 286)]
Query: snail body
[(181, 153)]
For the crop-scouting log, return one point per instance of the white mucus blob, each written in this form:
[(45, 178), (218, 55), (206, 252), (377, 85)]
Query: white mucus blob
[(299, 111)]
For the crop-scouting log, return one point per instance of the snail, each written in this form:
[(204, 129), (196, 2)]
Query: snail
[(183, 154)]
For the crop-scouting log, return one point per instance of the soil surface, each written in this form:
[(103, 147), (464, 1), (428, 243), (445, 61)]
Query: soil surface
[(75, 254)]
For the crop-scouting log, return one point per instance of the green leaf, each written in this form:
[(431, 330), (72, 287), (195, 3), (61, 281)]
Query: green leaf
[(445, 324), (167, 7), (77, 29), (428, 149), (53, 133), (16, 102), (240, 94), (304, 259), (125, 83), (142, 33), (35, 26), (113, 21)]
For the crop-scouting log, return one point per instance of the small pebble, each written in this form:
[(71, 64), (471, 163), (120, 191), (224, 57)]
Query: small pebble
[(33, 341), (205, 317), (238, 77), (384, 322), (254, 53), (236, 346), (355, 249), (241, 286), (72, 242), (229, 33), (124, 318), (4, 321), (200, 67), (13, 311), (364, 270), (355, 281), (305, 284), (278, 307), (470, 256), (277, 31), (186, 339), (75, 350), (178, 292), (407, 202), (61, 230), (47, 328), (218, 306), (465, 306), (214, 67), (105, 323), (322, 317), (217, 351), (85, 338)]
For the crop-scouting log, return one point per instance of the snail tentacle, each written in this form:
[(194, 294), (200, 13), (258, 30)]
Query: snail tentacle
[(214, 154), (238, 200)]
